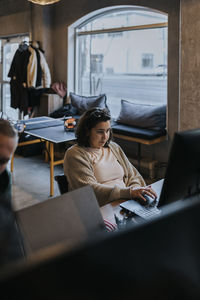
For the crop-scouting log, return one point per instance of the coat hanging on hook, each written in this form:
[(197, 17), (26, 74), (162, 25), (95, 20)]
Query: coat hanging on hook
[(29, 71)]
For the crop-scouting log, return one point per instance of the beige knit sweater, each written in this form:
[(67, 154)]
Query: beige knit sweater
[(78, 168)]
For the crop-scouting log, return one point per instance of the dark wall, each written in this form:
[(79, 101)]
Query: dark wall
[(8, 7), (14, 17)]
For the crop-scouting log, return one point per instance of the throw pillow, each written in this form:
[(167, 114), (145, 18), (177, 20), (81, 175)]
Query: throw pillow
[(142, 115), (83, 103)]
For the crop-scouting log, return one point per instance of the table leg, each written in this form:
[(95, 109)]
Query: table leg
[(46, 155), (51, 169), (23, 144)]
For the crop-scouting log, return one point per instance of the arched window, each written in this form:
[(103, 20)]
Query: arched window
[(123, 53)]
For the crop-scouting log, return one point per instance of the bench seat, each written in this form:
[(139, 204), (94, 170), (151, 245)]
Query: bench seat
[(138, 135), (141, 135)]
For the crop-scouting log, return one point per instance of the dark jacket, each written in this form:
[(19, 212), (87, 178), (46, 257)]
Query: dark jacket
[(18, 82), (11, 246)]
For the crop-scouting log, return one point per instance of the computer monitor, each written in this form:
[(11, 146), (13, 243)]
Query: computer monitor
[(158, 259), (182, 177)]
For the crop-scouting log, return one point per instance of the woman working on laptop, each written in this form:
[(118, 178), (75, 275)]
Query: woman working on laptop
[(97, 161)]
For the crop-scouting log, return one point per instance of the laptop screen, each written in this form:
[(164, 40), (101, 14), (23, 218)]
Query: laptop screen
[(70, 218)]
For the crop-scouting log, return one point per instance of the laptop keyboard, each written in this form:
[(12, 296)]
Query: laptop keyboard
[(146, 213)]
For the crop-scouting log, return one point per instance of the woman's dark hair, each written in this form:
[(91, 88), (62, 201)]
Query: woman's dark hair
[(89, 120)]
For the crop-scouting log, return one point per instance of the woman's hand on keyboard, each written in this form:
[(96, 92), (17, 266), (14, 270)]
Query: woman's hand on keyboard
[(140, 192)]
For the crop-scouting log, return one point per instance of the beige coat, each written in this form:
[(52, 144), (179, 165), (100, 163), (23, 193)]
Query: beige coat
[(79, 171), (32, 70)]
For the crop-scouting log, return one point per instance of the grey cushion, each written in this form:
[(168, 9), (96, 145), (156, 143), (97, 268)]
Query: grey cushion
[(142, 116), (83, 103)]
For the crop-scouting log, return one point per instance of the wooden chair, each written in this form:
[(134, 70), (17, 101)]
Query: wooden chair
[(62, 183)]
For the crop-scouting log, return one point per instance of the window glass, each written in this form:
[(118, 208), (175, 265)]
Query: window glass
[(10, 112), (126, 64), (8, 54)]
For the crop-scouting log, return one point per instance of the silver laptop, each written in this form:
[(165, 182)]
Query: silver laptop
[(141, 210), (69, 218)]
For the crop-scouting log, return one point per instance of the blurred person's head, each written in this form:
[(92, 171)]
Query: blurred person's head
[(8, 143), (94, 128)]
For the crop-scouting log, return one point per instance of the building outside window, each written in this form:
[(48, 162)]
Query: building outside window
[(123, 53), (147, 60)]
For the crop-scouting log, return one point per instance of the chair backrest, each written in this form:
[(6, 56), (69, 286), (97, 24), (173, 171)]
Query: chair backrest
[(62, 183)]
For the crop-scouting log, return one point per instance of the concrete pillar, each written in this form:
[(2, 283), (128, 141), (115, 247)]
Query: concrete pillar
[(41, 29), (190, 65)]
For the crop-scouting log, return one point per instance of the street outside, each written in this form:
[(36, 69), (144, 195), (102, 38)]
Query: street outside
[(138, 89)]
